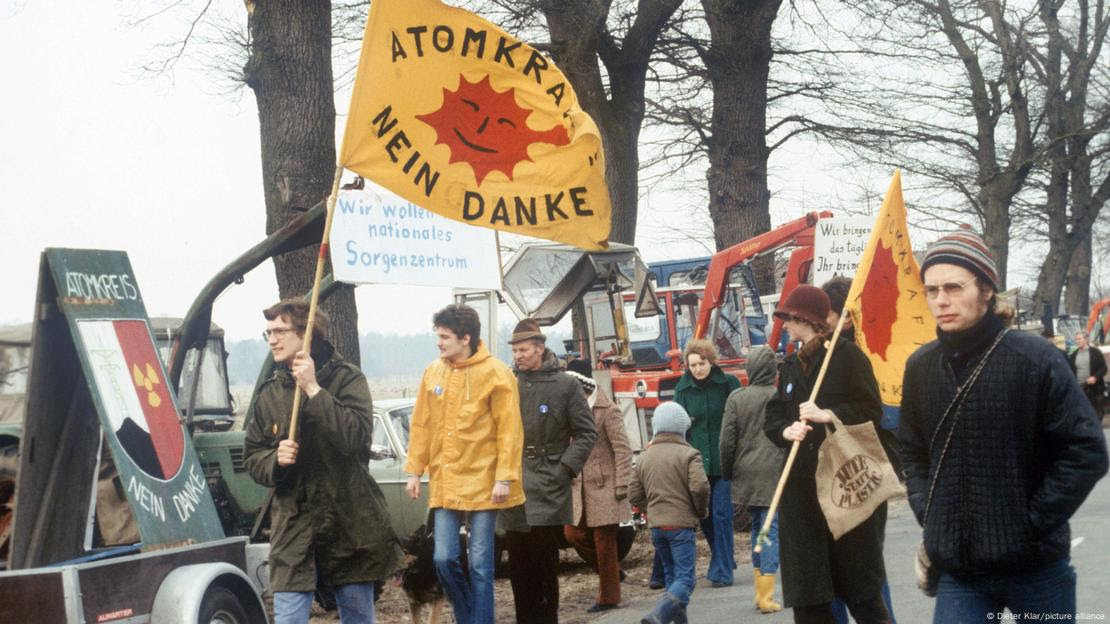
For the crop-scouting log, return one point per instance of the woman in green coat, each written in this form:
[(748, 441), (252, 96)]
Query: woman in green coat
[(703, 391)]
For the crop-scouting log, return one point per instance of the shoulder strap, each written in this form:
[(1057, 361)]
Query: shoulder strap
[(956, 404)]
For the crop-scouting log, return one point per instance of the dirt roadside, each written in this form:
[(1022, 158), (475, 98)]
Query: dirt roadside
[(577, 586)]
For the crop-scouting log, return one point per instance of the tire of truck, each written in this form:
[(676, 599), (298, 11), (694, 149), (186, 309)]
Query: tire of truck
[(626, 536), (221, 606)]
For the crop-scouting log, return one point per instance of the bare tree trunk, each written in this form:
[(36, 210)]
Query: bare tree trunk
[(289, 69), (1077, 299), (738, 62), (579, 38), (1073, 201)]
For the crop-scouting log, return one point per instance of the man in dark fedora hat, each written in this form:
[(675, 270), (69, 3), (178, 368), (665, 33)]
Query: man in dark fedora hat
[(559, 434)]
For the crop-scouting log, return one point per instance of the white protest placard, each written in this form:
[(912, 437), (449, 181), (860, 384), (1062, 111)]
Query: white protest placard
[(379, 238), (838, 247)]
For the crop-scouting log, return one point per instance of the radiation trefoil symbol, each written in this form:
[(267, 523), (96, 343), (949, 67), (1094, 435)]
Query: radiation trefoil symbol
[(147, 382), (487, 129)]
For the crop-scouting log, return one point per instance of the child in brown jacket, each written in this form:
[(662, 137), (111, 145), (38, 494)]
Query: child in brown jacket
[(669, 483)]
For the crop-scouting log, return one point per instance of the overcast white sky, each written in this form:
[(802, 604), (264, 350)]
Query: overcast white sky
[(169, 171)]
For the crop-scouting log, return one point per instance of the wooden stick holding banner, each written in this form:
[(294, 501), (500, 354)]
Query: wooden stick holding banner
[(763, 532), (320, 259)]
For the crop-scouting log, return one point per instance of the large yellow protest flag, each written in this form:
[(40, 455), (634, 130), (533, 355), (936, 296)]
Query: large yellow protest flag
[(459, 117), (887, 299)]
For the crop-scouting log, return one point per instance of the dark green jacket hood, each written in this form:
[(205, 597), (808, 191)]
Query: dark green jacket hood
[(761, 367)]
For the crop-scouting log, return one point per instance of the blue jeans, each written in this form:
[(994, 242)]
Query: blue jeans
[(718, 531), (1048, 590), (356, 605), (657, 570), (767, 562), (472, 599), (678, 550)]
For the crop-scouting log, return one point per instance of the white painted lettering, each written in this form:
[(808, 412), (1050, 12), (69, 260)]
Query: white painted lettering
[(146, 499)]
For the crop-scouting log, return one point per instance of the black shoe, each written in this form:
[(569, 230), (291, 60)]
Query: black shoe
[(719, 584), (655, 585), (598, 607)]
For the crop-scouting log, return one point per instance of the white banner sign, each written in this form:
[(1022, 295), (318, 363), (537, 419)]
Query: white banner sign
[(838, 246), (379, 238)]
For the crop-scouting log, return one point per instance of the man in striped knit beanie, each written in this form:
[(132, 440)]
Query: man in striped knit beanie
[(999, 448)]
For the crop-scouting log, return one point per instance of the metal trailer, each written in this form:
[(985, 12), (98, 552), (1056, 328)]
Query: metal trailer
[(98, 403), (218, 581)]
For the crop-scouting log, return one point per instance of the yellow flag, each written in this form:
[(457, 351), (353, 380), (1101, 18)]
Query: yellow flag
[(887, 299), (459, 117)]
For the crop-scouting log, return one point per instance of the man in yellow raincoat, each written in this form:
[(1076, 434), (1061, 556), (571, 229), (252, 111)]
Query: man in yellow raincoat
[(467, 433)]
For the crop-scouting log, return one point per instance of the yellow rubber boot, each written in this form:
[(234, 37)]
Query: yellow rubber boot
[(755, 584), (765, 593)]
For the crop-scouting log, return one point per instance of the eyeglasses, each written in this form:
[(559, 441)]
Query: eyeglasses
[(277, 332), (950, 288)]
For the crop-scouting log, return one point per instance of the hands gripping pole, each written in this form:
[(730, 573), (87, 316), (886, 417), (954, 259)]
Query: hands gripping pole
[(320, 260), (763, 532)]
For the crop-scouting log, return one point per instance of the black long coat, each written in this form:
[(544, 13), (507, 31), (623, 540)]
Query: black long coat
[(816, 568)]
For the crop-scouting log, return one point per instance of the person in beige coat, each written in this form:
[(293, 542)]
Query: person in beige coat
[(600, 496)]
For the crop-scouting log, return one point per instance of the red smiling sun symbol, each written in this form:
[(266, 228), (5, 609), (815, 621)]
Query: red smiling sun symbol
[(487, 129)]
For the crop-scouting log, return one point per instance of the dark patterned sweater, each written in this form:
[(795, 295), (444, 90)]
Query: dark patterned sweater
[(1026, 451)]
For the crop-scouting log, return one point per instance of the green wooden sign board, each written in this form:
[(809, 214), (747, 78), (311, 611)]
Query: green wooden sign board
[(98, 361)]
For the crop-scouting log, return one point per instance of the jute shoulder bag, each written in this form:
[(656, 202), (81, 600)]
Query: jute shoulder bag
[(928, 576)]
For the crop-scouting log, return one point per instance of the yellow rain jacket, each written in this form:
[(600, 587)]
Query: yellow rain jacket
[(467, 433)]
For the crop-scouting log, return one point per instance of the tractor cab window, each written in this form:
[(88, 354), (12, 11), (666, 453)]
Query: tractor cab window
[(685, 316), (603, 329), (203, 376), (641, 329), (730, 322)]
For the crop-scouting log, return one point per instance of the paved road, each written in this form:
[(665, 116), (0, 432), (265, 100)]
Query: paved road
[(1090, 555)]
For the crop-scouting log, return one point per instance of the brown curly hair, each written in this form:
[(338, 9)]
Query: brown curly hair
[(702, 347)]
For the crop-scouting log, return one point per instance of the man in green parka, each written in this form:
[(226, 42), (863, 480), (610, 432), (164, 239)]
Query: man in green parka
[(329, 521)]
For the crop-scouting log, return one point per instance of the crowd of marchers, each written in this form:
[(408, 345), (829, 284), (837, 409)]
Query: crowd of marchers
[(999, 442)]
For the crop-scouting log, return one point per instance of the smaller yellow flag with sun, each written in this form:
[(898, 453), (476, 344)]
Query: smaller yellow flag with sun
[(459, 117)]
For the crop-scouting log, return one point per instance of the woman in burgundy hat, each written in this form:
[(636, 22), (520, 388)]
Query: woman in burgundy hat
[(815, 567)]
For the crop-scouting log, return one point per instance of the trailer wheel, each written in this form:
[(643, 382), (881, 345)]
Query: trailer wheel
[(221, 606)]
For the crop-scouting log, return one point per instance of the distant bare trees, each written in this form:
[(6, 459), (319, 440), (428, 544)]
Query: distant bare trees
[(1001, 106), (998, 112)]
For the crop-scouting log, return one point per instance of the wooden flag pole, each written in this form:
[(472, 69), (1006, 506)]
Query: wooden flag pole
[(763, 532), (320, 259)]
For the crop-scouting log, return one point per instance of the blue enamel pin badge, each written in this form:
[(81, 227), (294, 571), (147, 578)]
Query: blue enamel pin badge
[(543, 408), (789, 388), (438, 390)]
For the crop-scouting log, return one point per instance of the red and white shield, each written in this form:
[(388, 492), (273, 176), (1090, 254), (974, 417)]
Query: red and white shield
[(132, 387)]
